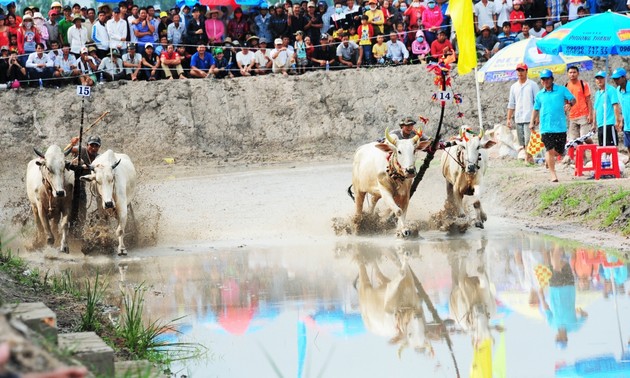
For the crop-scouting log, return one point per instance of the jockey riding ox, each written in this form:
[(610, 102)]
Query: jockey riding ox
[(49, 190), (115, 178), (386, 170), (463, 166)]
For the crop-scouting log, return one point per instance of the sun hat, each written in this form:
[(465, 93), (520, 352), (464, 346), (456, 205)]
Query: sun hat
[(84, 50), (618, 73), (485, 27), (148, 44), (278, 41), (545, 74), (522, 66), (163, 14), (601, 74), (218, 50), (55, 4)]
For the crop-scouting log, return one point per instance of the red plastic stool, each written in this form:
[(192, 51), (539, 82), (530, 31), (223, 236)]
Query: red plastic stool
[(579, 158), (614, 162)]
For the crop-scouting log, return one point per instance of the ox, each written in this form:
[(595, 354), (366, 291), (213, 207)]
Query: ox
[(49, 189), (472, 301), (115, 178), (386, 170), (393, 309), (463, 167)]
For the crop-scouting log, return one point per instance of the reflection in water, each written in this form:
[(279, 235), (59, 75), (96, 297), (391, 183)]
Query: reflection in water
[(393, 308), (332, 310)]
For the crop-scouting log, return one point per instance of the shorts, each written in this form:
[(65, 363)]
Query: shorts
[(626, 139), (578, 127), (562, 278), (554, 141), (611, 136), (302, 62)]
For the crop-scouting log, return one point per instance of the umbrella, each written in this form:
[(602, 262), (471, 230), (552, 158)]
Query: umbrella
[(602, 34), (218, 3), (501, 67)]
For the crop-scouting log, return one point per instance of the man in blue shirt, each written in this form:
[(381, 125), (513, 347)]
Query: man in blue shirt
[(550, 105), (607, 113), (200, 62), (619, 77)]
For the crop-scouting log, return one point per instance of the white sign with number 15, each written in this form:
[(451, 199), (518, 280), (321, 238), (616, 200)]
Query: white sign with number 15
[(84, 90)]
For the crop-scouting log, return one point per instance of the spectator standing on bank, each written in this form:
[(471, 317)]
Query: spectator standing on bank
[(117, 31), (550, 107), (620, 78), (520, 107), (606, 102), (77, 36), (581, 114), (175, 31)]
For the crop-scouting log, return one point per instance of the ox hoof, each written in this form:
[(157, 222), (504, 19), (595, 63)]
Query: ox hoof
[(122, 252), (479, 224)]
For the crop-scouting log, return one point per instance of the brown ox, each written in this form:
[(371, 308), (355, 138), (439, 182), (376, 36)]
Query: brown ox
[(463, 167)]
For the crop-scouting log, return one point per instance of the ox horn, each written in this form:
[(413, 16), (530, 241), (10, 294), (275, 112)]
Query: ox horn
[(38, 152), (481, 133), (116, 164), (418, 135), (389, 137), (461, 133)]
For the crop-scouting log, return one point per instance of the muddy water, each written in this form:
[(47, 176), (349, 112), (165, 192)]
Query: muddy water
[(250, 262)]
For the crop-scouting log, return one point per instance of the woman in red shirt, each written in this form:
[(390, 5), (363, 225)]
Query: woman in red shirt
[(517, 17)]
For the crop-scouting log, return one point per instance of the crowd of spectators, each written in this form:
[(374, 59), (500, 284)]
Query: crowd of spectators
[(85, 45)]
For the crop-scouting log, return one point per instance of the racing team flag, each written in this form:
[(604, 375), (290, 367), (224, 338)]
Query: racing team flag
[(461, 12)]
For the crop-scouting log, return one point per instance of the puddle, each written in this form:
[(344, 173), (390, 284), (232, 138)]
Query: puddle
[(336, 307)]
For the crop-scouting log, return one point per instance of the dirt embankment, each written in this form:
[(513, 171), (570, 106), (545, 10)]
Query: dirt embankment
[(206, 125)]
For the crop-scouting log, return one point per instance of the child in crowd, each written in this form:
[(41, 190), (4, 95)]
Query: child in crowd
[(419, 48), (517, 17), (379, 49), (366, 32), (548, 28), (300, 51), (352, 35), (402, 35)]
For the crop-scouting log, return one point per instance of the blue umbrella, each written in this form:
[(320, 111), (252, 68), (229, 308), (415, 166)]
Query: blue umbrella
[(602, 34)]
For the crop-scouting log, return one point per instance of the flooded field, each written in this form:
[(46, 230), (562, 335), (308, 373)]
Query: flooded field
[(249, 262)]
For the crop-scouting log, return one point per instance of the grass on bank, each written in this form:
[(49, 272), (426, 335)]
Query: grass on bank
[(603, 207), (140, 340)]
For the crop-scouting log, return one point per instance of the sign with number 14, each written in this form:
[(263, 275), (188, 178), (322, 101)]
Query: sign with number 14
[(443, 96)]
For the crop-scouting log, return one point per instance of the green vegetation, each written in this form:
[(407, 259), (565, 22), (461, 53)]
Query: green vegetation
[(551, 196), (94, 293), (147, 342)]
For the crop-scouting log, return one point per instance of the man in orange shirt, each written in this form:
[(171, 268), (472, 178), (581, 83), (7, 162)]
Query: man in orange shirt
[(581, 114)]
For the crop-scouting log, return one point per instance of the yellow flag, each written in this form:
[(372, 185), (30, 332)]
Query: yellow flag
[(461, 12)]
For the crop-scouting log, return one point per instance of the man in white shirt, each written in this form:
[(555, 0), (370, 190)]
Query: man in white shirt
[(100, 35), (39, 66), (520, 107), (77, 36), (396, 50), (133, 20), (485, 14), (502, 9), (112, 66), (245, 61), (132, 62), (262, 58), (55, 51), (117, 31), (66, 65), (281, 58)]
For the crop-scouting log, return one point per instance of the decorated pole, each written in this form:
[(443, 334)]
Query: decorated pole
[(443, 96), (83, 91)]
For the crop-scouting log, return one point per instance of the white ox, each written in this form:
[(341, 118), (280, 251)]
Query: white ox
[(472, 302), (386, 170), (393, 309), (463, 167), (49, 190), (115, 178)]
